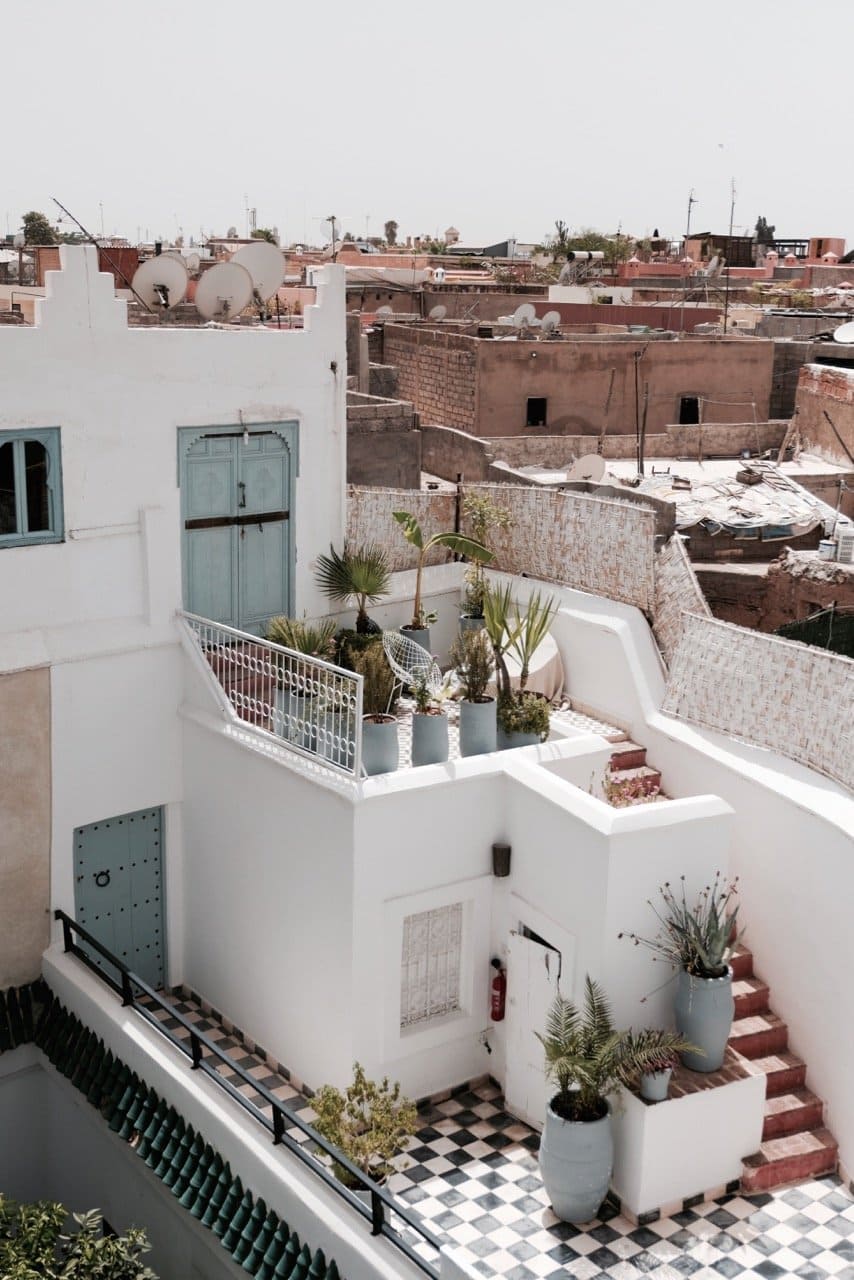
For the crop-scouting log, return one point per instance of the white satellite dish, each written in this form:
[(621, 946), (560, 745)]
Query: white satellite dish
[(589, 467), (193, 262), (385, 311), (224, 291), (161, 282), (525, 315), (845, 333), (265, 263), (437, 313), (551, 321)]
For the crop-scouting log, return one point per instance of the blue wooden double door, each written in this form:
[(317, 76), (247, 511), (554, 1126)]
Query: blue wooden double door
[(236, 506)]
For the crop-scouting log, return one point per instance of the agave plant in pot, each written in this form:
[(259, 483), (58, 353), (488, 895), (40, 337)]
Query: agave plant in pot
[(697, 940), (419, 628), (588, 1059), (379, 723), (474, 662), (523, 716)]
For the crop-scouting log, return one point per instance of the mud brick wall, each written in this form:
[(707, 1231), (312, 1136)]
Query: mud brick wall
[(677, 593), (437, 372), (789, 697), (369, 519), (822, 388), (600, 545)]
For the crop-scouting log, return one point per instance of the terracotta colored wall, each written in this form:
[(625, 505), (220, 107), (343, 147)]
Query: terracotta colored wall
[(25, 784), (824, 389), (437, 373), (575, 377)]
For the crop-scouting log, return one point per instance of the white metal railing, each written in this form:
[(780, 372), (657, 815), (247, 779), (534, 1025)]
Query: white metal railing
[(309, 705)]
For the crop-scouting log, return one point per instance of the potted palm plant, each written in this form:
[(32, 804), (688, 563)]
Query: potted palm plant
[(369, 1122), (482, 515), (296, 684), (588, 1060), (697, 941), (474, 662), (379, 723), (419, 628), (523, 717), (357, 575)]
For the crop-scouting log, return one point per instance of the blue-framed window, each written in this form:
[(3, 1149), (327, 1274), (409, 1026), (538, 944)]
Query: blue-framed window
[(30, 487)]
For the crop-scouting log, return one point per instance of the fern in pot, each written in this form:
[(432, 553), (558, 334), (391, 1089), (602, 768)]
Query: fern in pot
[(588, 1059), (474, 662), (379, 722)]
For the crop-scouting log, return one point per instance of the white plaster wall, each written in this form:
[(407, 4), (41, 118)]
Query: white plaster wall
[(791, 837), (665, 1153), (119, 395), (580, 872), (23, 1125), (268, 902)]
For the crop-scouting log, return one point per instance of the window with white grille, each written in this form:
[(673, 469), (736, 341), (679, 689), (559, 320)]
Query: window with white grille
[(430, 964)]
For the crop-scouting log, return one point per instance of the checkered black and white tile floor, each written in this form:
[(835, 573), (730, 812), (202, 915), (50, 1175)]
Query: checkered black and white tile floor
[(471, 1173)]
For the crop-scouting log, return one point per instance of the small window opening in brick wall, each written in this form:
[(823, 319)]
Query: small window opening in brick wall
[(537, 411), (689, 411)]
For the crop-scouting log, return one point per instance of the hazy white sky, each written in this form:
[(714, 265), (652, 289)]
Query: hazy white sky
[(497, 117)]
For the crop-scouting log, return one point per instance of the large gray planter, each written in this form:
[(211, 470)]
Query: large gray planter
[(507, 741), (429, 738), (379, 745), (331, 737), (704, 1009), (576, 1161), (421, 635), (293, 709), (468, 623), (478, 729)]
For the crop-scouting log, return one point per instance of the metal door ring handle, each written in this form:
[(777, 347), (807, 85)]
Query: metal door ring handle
[(102, 879)]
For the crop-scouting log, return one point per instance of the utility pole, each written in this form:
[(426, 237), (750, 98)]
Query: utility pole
[(691, 201), (729, 251)]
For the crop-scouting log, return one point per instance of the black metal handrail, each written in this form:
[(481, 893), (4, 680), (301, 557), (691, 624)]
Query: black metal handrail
[(283, 1117)]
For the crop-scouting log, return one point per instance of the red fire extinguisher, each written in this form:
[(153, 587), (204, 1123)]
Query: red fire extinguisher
[(498, 992)]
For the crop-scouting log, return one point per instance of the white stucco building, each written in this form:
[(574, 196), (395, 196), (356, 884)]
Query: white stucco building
[(148, 471)]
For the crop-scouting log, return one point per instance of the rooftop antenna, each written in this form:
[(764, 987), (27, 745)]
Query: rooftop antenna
[(224, 291), (91, 239), (729, 251), (692, 200), (265, 263), (161, 282)]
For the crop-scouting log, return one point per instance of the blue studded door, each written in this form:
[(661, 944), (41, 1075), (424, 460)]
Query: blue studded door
[(118, 890)]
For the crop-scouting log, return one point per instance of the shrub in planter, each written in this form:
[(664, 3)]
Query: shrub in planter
[(369, 1122), (482, 515), (429, 723), (588, 1060), (474, 663), (379, 723)]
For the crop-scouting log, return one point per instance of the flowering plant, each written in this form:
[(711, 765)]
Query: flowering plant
[(698, 938)]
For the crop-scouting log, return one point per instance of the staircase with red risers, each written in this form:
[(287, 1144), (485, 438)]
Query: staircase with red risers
[(628, 765), (795, 1145)]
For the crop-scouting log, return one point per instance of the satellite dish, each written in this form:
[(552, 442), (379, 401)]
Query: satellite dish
[(437, 313), (265, 263), (524, 316), (224, 291), (590, 467), (161, 282), (193, 263), (845, 333), (385, 311), (551, 321)]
